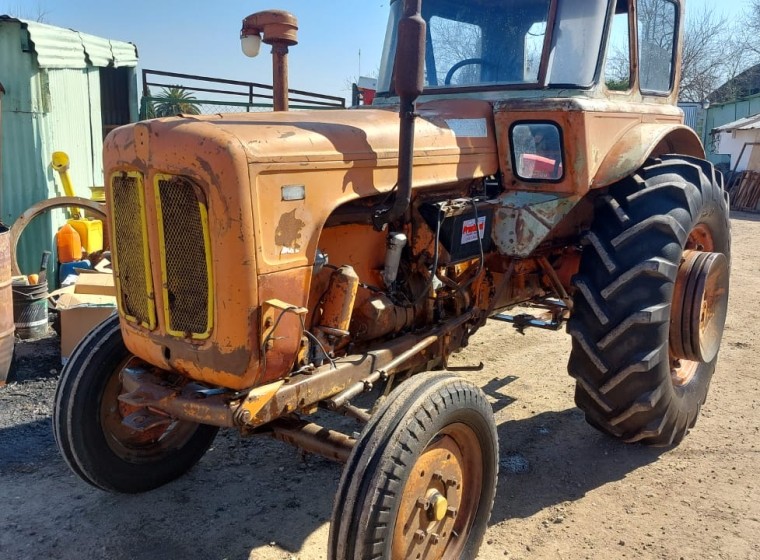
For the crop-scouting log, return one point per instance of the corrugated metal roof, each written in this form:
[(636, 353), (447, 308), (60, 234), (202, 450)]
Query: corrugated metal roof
[(749, 123), (56, 47), (124, 54), (98, 49)]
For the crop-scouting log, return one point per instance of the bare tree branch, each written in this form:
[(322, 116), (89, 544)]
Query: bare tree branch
[(707, 54), (24, 11), (739, 50)]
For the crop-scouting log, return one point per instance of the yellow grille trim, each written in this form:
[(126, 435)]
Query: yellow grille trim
[(150, 296), (157, 178)]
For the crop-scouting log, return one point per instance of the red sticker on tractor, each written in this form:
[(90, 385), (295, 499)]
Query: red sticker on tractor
[(470, 232)]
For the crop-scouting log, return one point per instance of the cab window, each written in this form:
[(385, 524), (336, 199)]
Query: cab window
[(617, 68), (657, 42), (471, 44)]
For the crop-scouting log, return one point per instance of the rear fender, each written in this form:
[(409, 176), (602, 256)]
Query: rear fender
[(641, 143)]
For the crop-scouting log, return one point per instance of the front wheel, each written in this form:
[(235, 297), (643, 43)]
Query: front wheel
[(89, 429), (421, 480), (651, 301)]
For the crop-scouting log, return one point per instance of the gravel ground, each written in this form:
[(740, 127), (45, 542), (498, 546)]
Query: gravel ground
[(565, 491)]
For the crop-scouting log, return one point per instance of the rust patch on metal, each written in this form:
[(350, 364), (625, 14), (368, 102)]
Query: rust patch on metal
[(700, 306), (338, 302), (527, 219), (232, 360), (6, 305), (288, 232), (314, 439)]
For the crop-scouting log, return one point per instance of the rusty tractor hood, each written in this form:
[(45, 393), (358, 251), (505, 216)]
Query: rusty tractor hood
[(444, 128), (243, 164)]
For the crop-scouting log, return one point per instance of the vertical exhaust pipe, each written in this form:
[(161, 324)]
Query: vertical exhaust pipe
[(409, 82), (279, 29)]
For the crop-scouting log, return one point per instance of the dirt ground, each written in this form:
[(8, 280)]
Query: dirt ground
[(565, 491)]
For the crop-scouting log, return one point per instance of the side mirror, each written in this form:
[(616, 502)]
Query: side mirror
[(410, 52)]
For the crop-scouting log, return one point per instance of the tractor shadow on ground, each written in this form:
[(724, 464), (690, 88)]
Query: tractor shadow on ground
[(555, 457), (34, 360), (256, 492), (247, 494), (745, 216), (26, 446)]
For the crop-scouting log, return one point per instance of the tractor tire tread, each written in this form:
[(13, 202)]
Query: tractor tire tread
[(620, 321), (385, 454)]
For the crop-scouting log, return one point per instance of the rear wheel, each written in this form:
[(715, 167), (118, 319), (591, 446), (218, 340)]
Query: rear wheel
[(90, 432), (421, 480), (651, 301)]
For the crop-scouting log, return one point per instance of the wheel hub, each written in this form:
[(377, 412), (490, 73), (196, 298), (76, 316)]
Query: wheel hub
[(440, 498), (135, 433), (700, 305), (437, 506)]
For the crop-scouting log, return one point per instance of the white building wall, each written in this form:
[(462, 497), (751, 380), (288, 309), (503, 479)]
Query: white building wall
[(732, 143)]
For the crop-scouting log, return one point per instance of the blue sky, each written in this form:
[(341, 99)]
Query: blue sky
[(197, 37)]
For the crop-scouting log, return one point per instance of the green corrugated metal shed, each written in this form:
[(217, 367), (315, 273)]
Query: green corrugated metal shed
[(725, 113), (64, 90)]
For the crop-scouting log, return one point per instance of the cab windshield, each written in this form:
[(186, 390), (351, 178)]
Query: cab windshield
[(480, 44)]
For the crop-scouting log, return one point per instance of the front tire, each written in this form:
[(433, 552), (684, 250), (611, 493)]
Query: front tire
[(89, 432), (651, 300), (421, 480)]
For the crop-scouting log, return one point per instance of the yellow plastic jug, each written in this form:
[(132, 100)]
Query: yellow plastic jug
[(90, 233)]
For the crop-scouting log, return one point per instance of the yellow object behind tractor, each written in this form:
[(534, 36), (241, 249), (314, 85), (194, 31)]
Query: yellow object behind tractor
[(90, 230), (268, 265)]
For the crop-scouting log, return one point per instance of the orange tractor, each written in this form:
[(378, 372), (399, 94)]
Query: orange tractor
[(269, 265)]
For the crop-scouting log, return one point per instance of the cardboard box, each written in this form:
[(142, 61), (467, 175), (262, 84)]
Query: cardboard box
[(82, 307), (80, 313), (95, 283), (104, 266)]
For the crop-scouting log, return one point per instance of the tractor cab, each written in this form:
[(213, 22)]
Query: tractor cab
[(498, 48)]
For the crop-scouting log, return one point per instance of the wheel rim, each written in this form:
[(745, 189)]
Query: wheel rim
[(700, 239), (441, 497), (157, 436), (700, 306)]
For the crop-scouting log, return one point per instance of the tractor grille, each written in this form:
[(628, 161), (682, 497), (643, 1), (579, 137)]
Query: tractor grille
[(131, 251), (183, 228)]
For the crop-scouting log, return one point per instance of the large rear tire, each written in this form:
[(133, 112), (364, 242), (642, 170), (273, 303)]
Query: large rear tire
[(650, 301), (89, 432), (421, 480)]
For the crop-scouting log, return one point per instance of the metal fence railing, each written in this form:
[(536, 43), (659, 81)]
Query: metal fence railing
[(171, 93)]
